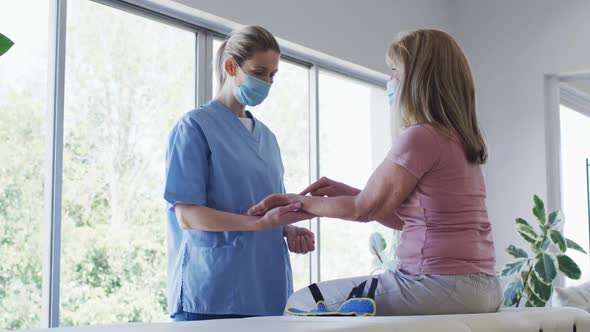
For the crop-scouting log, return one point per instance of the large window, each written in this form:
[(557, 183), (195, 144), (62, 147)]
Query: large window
[(23, 98), (126, 84), (575, 128), (113, 88), (355, 136)]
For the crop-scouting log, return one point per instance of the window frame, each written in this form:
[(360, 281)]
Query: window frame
[(588, 190), (557, 93)]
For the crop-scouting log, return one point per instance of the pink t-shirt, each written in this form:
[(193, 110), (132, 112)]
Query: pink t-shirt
[(446, 227)]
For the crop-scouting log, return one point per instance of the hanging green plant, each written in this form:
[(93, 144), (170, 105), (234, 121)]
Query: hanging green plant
[(5, 44)]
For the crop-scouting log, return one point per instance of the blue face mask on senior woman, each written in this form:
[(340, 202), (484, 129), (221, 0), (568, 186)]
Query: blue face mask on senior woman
[(252, 91), (392, 92)]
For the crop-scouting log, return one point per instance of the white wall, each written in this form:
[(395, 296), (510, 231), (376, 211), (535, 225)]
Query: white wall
[(511, 45), (353, 30)]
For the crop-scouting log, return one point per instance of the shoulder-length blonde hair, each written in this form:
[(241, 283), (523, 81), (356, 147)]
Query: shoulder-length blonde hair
[(437, 87)]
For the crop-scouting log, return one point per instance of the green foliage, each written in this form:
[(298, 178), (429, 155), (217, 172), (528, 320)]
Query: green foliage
[(526, 231), (377, 243), (21, 199), (535, 276), (539, 288), (558, 239), (383, 259), (572, 245), (539, 210), (513, 292), (544, 267), (5, 44), (516, 252), (554, 219), (568, 267), (513, 267)]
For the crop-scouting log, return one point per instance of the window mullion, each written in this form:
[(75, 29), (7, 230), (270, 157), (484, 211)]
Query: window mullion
[(54, 165)]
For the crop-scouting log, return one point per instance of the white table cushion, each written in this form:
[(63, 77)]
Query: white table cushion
[(508, 320)]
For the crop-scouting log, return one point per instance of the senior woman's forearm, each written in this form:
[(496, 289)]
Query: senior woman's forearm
[(341, 207)]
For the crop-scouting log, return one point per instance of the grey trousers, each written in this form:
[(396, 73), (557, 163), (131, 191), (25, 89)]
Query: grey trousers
[(400, 294)]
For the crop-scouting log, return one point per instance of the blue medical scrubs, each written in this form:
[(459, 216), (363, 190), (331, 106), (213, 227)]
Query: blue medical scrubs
[(213, 160)]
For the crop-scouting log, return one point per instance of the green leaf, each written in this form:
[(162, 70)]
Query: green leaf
[(540, 289), (526, 231), (558, 239), (539, 210), (569, 267), (377, 243), (546, 244), (512, 292), (572, 245), (521, 222), (533, 300), (554, 220), (540, 244), (5, 44), (512, 268), (545, 268), (516, 252)]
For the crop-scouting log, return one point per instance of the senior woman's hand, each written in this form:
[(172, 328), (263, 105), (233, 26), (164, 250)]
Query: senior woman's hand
[(330, 188), (273, 201)]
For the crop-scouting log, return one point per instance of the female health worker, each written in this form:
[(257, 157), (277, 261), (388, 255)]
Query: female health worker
[(221, 160)]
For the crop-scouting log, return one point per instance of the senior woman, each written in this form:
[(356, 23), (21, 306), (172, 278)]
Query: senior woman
[(430, 186)]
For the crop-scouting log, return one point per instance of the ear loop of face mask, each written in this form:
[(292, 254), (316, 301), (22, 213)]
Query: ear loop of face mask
[(392, 92)]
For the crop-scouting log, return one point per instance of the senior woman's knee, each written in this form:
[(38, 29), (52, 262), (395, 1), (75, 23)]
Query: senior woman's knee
[(301, 299)]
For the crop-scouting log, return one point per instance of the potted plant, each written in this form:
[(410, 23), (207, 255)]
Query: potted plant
[(535, 274)]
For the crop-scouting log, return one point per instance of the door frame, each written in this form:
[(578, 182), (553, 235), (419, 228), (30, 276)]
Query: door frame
[(556, 94)]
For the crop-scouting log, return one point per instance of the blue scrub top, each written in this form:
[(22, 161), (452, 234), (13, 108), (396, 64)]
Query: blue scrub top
[(213, 160)]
